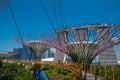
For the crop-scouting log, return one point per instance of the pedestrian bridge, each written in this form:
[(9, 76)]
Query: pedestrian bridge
[(75, 68)]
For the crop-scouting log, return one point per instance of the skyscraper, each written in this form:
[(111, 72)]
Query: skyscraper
[(27, 53), (108, 56)]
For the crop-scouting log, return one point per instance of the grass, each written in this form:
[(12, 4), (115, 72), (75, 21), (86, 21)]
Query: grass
[(13, 71)]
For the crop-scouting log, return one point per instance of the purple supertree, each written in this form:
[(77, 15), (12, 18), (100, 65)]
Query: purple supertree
[(84, 43), (35, 43)]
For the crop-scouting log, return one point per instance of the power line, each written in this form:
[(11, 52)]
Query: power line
[(54, 10), (62, 8), (47, 14), (16, 25), (61, 16)]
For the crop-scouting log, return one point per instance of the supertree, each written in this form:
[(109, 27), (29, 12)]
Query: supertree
[(35, 43), (93, 39), (84, 43)]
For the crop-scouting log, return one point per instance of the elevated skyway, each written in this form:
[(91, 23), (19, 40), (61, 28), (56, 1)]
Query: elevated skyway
[(73, 67), (76, 68)]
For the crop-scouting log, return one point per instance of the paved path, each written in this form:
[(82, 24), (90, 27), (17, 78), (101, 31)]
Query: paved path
[(92, 76)]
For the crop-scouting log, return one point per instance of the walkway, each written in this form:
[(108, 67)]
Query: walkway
[(92, 76)]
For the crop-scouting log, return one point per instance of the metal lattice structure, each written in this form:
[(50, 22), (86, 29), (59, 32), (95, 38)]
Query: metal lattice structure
[(84, 43)]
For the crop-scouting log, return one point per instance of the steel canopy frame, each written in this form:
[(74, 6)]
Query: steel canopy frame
[(105, 33)]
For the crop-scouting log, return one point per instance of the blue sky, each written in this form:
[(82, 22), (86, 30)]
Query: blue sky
[(31, 18)]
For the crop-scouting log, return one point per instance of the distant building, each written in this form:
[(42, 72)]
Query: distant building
[(27, 54), (108, 56), (17, 49), (48, 54), (60, 56), (3, 55), (15, 54)]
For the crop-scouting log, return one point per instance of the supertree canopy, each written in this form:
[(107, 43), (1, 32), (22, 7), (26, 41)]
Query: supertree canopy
[(38, 47), (81, 51)]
